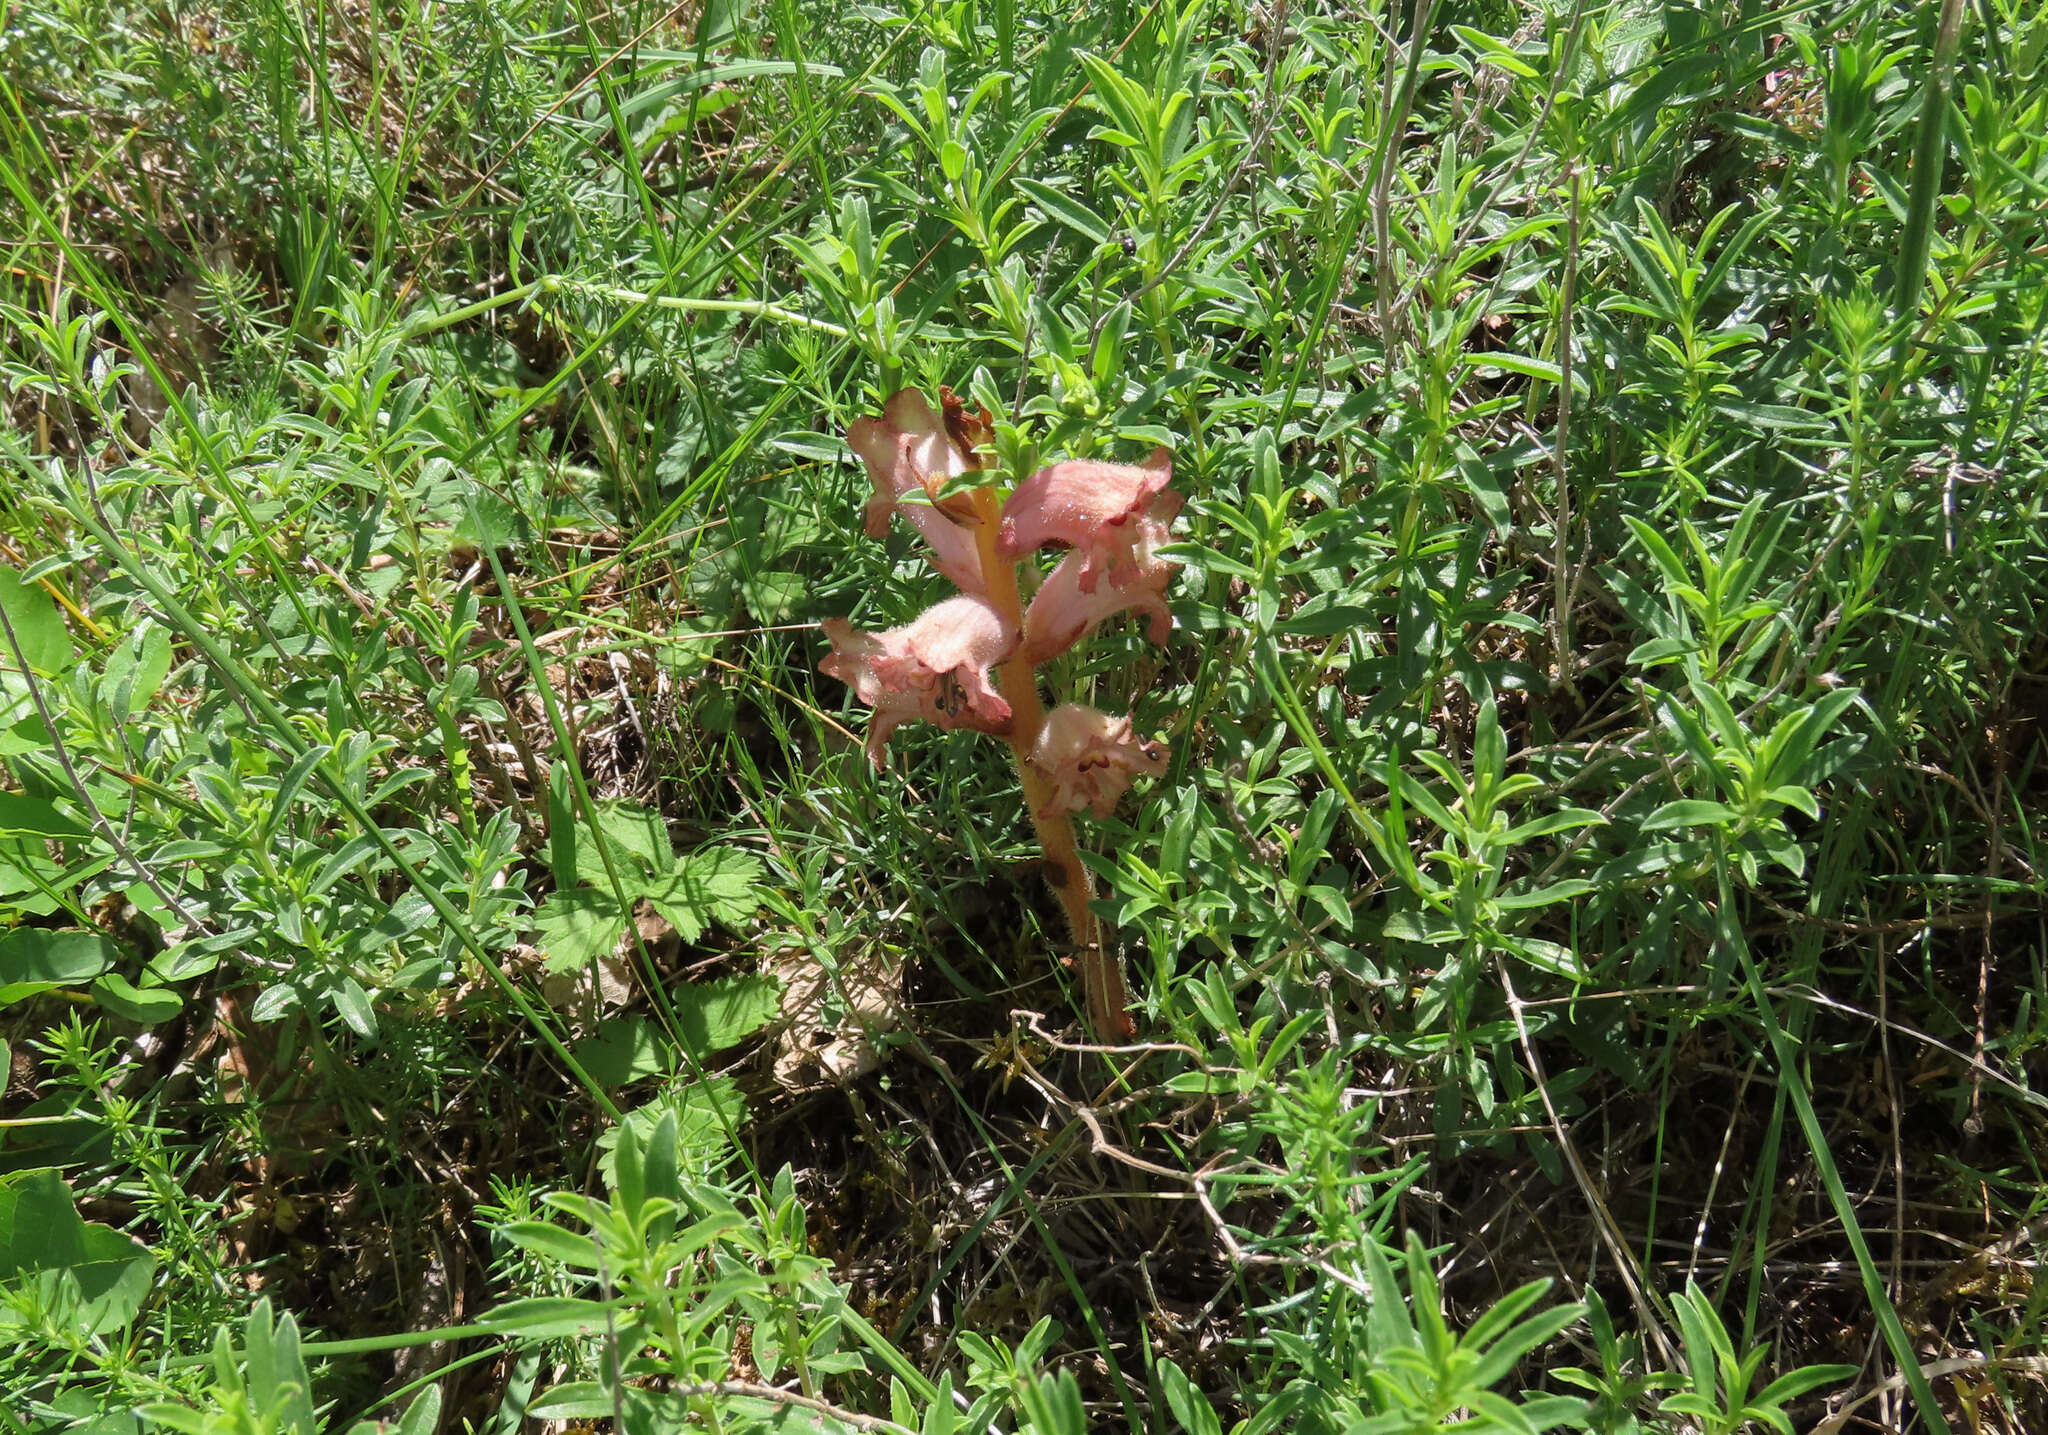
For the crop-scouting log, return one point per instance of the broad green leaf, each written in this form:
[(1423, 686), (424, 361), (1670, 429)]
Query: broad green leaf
[(1661, 650), (489, 521), (32, 954), (573, 927), (33, 817), (773, 596), (1517, 899), (21, 726), (578, 1400), (38, 626), (1322, 617), (555, 1243), (638, 838), (1489, 746), (1522, 364), (693, 638), (546, 1316), (1552, 957), (288, 787), (1545, 1412), (92, 1409), (1700, 1406), (136, 669), (183, 962), (1771, 416), (1187, 1402), (1797, 797), (1053, 1403), (1495, 52), (712, 1016), (408, 914), (660, 1170), (717, 884), (1484, 483), (1781, 849), (1414, 927), (622, 1050), (1792, 1385), (353, 1003), (1425, 801), (39, 1224), (1565, 820), (41, 1236), (274, 1001), (422, 1417), (1066, 210), (703, 1112), (113, 1276), (1783, 755), (1721, 713), (1661, 553)]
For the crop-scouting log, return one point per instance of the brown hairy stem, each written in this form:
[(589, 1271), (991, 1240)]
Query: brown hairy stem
[(1102, 975)]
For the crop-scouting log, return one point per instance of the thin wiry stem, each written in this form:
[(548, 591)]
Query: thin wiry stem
[(1560, 455)]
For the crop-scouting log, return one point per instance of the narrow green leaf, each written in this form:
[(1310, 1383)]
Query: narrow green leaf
[(578, 1251), (547, 1316), (289, 785), (1691, 812), (148, 1005), (1066, 210)]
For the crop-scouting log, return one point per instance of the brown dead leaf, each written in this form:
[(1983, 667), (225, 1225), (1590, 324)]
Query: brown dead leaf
[(828, 1042)]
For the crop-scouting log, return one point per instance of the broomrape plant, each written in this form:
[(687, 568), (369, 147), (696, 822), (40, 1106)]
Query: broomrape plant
[(932, 469)]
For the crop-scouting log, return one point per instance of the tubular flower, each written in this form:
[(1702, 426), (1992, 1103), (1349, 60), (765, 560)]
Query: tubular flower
[(1096, 509), (1088, 758), (1067, 606), (911, 448), (934, 668)]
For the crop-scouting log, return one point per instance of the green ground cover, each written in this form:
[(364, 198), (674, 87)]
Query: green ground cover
[(1583, 916)]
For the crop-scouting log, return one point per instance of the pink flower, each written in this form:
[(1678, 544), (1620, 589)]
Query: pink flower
[(934, 668), (911, 448), (1067, 606), (1089, 759), (1097, 509)]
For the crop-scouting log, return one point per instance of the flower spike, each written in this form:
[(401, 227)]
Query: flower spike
[(1111, 519)]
